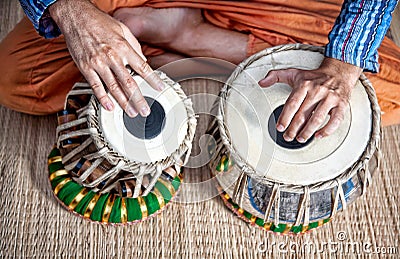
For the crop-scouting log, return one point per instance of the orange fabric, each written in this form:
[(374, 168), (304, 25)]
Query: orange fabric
[(37, 73)]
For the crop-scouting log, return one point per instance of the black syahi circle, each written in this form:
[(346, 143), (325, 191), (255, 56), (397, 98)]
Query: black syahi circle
[(278, 136), (147, 127)]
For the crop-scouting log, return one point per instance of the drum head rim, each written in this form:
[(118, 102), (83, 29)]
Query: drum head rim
[(175, 157), (161, 146)]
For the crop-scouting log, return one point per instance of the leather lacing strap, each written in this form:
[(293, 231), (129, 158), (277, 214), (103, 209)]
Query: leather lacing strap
[(367, 173), (187, 156), (273, 202), (90, 170), (177, 159), (76, 150), (70, 124), (79, 89), (110, 174), (367, 177), (339, 194), (83, 112), (304, 211), (97, 154), (139, 180), (71, 165), (238, 191), (154, 179), (81, 84), (111, 186), (77, 133)]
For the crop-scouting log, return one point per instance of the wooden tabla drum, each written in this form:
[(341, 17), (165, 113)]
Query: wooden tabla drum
[(280, 186), (110, 168)]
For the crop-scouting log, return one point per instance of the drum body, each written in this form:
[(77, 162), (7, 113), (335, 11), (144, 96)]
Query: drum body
[(110, 168), (288, 188)]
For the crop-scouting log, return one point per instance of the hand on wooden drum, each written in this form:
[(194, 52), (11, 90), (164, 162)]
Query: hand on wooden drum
[(316, 95), (102, 47)]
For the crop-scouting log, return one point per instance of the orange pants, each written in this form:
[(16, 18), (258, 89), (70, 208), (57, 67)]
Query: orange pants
[(37, 73)]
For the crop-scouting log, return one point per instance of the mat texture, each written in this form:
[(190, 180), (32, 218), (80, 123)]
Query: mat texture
[(33, 224)]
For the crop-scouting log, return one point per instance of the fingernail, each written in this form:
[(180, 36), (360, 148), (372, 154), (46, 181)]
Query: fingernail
[(109, 106), (318, 136), (161, 86), (145, 111), (280, 128), (131, 112), (301, 139), (287, 138)]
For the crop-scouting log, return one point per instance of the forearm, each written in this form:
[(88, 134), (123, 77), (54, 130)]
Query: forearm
[(359, 31), (102, 47)]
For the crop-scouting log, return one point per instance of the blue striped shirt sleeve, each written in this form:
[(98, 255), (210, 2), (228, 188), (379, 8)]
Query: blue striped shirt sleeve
[(358, 32), (37, 12)]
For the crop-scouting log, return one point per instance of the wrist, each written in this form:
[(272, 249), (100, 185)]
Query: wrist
[(63, 10), (337, 67)]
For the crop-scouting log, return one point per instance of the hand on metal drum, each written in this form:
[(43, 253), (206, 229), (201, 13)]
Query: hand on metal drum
[(316, 95), (102, 47)]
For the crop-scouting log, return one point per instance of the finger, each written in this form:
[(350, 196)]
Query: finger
[(316, 120), (278, 76), (337, 116), (137, 62), (130, 88), (116, 90), (298, 122), (290, 108), (144, 70), (314, 93), (133, 42), (98, 90)]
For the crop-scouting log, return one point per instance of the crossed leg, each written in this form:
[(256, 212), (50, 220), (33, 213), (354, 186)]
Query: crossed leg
[(184, 31)]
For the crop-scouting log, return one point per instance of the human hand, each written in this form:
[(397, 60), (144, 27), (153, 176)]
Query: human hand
[(315, 95), (102, 47)]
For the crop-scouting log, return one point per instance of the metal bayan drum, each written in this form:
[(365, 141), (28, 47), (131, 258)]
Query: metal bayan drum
[(110, 168), (280, 186)]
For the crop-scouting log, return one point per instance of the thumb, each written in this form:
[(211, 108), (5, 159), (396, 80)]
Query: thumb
[(277, 76)]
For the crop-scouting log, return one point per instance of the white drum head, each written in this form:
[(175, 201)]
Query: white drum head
[(249, 107), (151, 148)]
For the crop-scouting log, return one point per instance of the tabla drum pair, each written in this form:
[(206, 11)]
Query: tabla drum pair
[(113, 169)]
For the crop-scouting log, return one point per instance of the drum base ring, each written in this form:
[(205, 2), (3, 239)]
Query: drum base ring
[(54, 159), (281, 229)]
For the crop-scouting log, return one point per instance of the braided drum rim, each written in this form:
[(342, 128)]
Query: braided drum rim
[(114, 157)]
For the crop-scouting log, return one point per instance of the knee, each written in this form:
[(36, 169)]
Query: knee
[(18, 93), (9, 96), (32, 80)]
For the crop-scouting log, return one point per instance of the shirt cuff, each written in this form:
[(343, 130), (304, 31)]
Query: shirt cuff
[(358, 32), (37, 12), (48, 27), (368, 65)]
